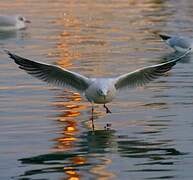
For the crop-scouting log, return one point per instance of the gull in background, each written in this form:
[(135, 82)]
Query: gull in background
[(10, 23), (96, 90), (179, 43)]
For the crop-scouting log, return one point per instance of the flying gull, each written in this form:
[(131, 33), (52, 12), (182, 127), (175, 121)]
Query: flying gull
[(96, 90)]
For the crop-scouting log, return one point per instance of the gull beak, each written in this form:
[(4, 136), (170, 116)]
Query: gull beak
[(27, 21)]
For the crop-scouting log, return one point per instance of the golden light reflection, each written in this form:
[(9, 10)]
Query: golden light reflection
[(101, 19), (101, 170), (72, 174), (70, 110), (73, 178), (79, 160), (68, 135), (70, 171), (70, 129)]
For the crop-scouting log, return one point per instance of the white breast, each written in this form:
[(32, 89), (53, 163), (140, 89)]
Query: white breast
[(92, 92)]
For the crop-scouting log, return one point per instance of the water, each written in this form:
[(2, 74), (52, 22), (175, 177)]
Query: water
[(45, 132)]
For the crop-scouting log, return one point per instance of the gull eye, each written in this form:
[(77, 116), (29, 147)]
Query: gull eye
[(21, 18), (100, 92)]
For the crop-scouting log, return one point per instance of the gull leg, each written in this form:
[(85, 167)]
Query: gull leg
[(107, 109), (92, 117)]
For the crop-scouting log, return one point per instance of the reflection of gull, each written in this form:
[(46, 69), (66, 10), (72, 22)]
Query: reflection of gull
[(96, 90), (179, 43), (12, 22), (8, 35)]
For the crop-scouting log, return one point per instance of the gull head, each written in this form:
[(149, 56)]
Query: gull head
[(23, 19), (101, 91), (21, 22), (104, 94)]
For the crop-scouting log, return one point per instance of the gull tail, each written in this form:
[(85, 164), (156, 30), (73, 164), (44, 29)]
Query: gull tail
[(164, 37)]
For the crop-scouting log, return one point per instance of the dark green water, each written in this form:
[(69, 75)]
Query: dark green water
[(45, 132)]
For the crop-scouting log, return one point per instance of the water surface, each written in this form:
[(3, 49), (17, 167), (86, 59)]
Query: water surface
[(45, 131)]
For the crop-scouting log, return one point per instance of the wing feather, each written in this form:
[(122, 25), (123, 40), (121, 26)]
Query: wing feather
[(145, 75), (52, 74)]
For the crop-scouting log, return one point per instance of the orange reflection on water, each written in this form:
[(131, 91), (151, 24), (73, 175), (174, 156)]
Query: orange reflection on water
[(66, 142), (68, 20), (70, 171), (72, 113), (70, 109), (67, 139), (72, 174), (67, 119), (101, 170), (79, 160)]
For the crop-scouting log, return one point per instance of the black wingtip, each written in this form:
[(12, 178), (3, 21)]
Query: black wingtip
[(11, 55), (8, 52), (164, 37)]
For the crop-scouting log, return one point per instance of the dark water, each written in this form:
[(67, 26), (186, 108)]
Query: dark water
[(45, 131)]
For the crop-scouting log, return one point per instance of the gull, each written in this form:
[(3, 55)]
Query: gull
[(9, 23), (179, 43), (96, 90)]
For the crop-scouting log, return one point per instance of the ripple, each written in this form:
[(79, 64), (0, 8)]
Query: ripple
[(46, 131)]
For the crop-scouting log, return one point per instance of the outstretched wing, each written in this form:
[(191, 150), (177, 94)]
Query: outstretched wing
[(181, 42), (145, 75), (52, 74), (177, 41)]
